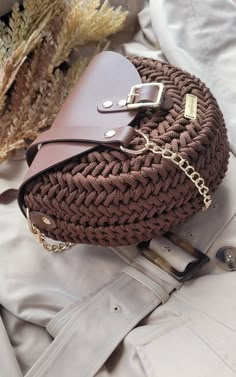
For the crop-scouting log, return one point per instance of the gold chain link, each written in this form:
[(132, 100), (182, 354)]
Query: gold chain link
[(178, 160), (40, 237)]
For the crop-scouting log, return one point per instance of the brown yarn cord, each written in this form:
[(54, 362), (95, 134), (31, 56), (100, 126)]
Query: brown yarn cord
[(110, 198)]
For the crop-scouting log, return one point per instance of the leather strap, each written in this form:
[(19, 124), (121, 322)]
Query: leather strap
[(143, 95), (119, 136)]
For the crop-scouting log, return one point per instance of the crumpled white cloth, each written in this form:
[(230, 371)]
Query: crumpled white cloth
[(194, 333)]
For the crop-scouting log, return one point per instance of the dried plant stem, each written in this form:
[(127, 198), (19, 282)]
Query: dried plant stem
[(34, 47)]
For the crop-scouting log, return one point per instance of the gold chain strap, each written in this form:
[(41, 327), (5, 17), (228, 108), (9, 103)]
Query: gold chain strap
[(40, 237), (178, 160)]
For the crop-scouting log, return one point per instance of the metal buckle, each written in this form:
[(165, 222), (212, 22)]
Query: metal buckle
[(133, 94), (158, 260)]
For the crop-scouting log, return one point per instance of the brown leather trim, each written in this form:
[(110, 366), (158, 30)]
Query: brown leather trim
[(8, 196), (143, 95), (42, 221), (121, 135)]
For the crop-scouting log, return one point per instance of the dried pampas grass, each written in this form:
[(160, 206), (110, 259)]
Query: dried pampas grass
[(36, 68)]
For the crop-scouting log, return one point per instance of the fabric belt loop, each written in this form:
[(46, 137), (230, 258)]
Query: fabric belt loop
[(93, 327), (154, 287)]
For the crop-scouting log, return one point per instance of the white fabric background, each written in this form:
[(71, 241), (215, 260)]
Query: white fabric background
[(195, 332)]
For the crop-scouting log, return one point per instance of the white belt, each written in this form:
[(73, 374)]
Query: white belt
[(87, 332)]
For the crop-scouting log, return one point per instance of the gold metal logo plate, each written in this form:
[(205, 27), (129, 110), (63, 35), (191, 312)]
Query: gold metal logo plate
[(190, 111)]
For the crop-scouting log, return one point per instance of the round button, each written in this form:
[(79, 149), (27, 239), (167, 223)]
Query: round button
[(226, 258)]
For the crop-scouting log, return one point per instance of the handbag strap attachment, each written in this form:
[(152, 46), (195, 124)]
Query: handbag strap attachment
[(178, 160)]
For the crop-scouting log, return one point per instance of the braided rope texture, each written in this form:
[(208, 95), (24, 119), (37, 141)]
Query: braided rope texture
[(110, 198)]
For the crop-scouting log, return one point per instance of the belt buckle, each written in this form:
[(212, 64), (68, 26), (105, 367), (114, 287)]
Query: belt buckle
[(133, 93), (158, 260)]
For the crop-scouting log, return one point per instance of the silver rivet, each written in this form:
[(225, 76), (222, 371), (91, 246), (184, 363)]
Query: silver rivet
[(110, 133), (46, 220), (226, 258), (122, 103), (107, 104)]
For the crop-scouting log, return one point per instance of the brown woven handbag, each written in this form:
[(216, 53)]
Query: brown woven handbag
[(138, 147)]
